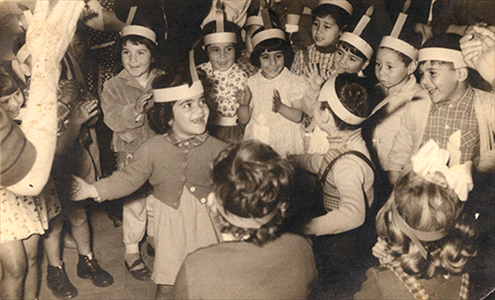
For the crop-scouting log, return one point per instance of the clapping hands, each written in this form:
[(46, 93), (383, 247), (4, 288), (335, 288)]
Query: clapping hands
[(478, 50), (315, 76)]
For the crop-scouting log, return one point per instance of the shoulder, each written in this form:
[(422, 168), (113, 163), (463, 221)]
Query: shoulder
[(214, 144), (486, 98)]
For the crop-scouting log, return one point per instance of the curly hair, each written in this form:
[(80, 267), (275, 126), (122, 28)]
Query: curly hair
[(8, 84), (251, 180), (269, 45), (427, 206)]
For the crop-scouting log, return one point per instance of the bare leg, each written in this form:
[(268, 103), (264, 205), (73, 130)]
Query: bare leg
[(80, 228), (13, 260), (52, 241), (31, 284)]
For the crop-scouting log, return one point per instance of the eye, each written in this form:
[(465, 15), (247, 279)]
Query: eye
[(264, 57), (315, 24), (230, 48), (339, 52), (125, 52), (432, 73), (202, 101), (378, 64), (279, 56), (353, 59)]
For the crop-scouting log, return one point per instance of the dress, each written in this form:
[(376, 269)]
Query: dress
[(23, 216), (273, 128), (281, 269), (223, 90)]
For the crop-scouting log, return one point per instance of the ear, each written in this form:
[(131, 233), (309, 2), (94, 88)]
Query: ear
[(412, 67), (170, 122), (366, 63), (325, 115), (211, 200), (462, 74)]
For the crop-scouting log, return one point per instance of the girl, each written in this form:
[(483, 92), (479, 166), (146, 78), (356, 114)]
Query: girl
[(271, 107), (124, 102), (177, 164), (224, 83), (425, 241), (252, 186), (329, 19)]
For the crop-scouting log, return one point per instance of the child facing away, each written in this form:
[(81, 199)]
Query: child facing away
[(225, 82), (329, 19), (272, 104), (124, 102), (177, 164), (457, 117), (258, 261), (425, 239)]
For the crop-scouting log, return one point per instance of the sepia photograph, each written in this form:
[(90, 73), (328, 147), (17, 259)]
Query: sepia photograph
[(247, 149)]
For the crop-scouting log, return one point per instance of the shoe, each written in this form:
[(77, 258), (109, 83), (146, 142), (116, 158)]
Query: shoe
[(150, 250), (59, 283), (69, 241), (89, 268), (142, 274)]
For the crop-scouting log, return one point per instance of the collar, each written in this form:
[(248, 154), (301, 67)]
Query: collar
[(133, 82), (209, 67), (282, 74), (184, 143), (344, 139), (468, 94)]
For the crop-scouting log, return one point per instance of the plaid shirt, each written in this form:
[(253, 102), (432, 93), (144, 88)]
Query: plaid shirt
[(447, 117), (181, 142)]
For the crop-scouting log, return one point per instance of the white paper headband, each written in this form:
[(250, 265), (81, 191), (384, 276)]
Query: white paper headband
[(220, 37), (175, 93), (272, 33), (442, 54), (400, 45), (358, 42), (254, 20), (139, 31), (340, 3)]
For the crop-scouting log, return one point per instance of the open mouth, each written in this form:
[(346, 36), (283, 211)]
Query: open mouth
[(199, 121)]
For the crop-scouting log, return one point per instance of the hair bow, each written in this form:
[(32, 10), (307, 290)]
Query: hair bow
[(430, 162)]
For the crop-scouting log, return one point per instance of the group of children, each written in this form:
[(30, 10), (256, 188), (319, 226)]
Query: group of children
[(309, 109)]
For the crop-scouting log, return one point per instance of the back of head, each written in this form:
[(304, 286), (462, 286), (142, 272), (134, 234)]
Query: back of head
[(253, 182), (427, 207)]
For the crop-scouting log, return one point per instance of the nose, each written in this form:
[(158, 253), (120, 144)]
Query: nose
[(425, 80), (223, 53), (132, 57), (272, 60)]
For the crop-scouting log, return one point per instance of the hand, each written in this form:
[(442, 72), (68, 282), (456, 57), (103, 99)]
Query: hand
[(246, 98), (425, 30), (315, 77), (478, 50), (277, 102), (142, 102), (49, 35), (81, 190), (380, 250), (84, 111), (70, 91)]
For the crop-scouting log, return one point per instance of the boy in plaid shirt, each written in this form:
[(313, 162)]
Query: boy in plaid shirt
[(458, 117)]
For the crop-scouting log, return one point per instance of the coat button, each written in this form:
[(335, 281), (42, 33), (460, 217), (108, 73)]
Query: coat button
[(203, 200), (183, 178), (192, 189)]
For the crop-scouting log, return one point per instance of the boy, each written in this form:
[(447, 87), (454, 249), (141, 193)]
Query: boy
[(459, 117)]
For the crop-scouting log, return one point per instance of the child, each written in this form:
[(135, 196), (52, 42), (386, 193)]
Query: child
[(124, 102), (224, 83), (272, 107), (458, 117), (184, 151), (396, 61), (252, 186), (426, 239), (329, 19)]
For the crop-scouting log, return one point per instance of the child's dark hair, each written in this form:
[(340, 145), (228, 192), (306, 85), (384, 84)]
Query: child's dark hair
[(348, 47), (269, 45), (354, 93), (404, 58), (161, 113), (251, 180), (228, 27), (427, 206), (8, 85), (340, 15), (446, 41)]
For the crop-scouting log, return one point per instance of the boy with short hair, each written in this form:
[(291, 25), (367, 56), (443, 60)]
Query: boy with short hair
[(459, 118)]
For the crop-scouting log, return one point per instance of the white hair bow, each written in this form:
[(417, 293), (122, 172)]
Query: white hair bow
[(430, 160)]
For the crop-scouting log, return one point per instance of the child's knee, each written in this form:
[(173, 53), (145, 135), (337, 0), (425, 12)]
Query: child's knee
[(78, 217)]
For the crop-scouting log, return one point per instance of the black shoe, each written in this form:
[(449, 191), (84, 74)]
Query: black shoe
[(59, 283), (142, 274), (89, 268)]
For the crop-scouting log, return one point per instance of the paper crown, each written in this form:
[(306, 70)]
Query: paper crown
[(442, 54), (268, 32), (329, 94), (254, 20), (392, 41), (340, 3), (220, 36), (137, 29), (354, 37)]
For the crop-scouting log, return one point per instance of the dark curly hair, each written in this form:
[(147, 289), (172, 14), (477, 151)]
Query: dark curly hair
[(251, 180), (161, 113), (269, 45), (427, 206)]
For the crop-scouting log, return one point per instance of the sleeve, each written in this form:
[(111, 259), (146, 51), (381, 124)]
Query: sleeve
[(403, 144), (180, 289), (297, 88), (370, 288), (134, 175), (349, 179), (309, 162), (118, 115), (298, 63)]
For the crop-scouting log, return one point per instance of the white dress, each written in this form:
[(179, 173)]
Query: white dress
[(270, 127)]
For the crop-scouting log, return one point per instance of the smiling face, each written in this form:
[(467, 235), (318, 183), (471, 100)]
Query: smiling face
[(390, 70), (12, 103), (272, 63), (345, 61), (325, 31), (136, 60), (190, 116), (221, 55), (440, 81)]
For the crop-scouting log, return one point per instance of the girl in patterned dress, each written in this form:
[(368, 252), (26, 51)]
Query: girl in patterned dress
[(224, 84)]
